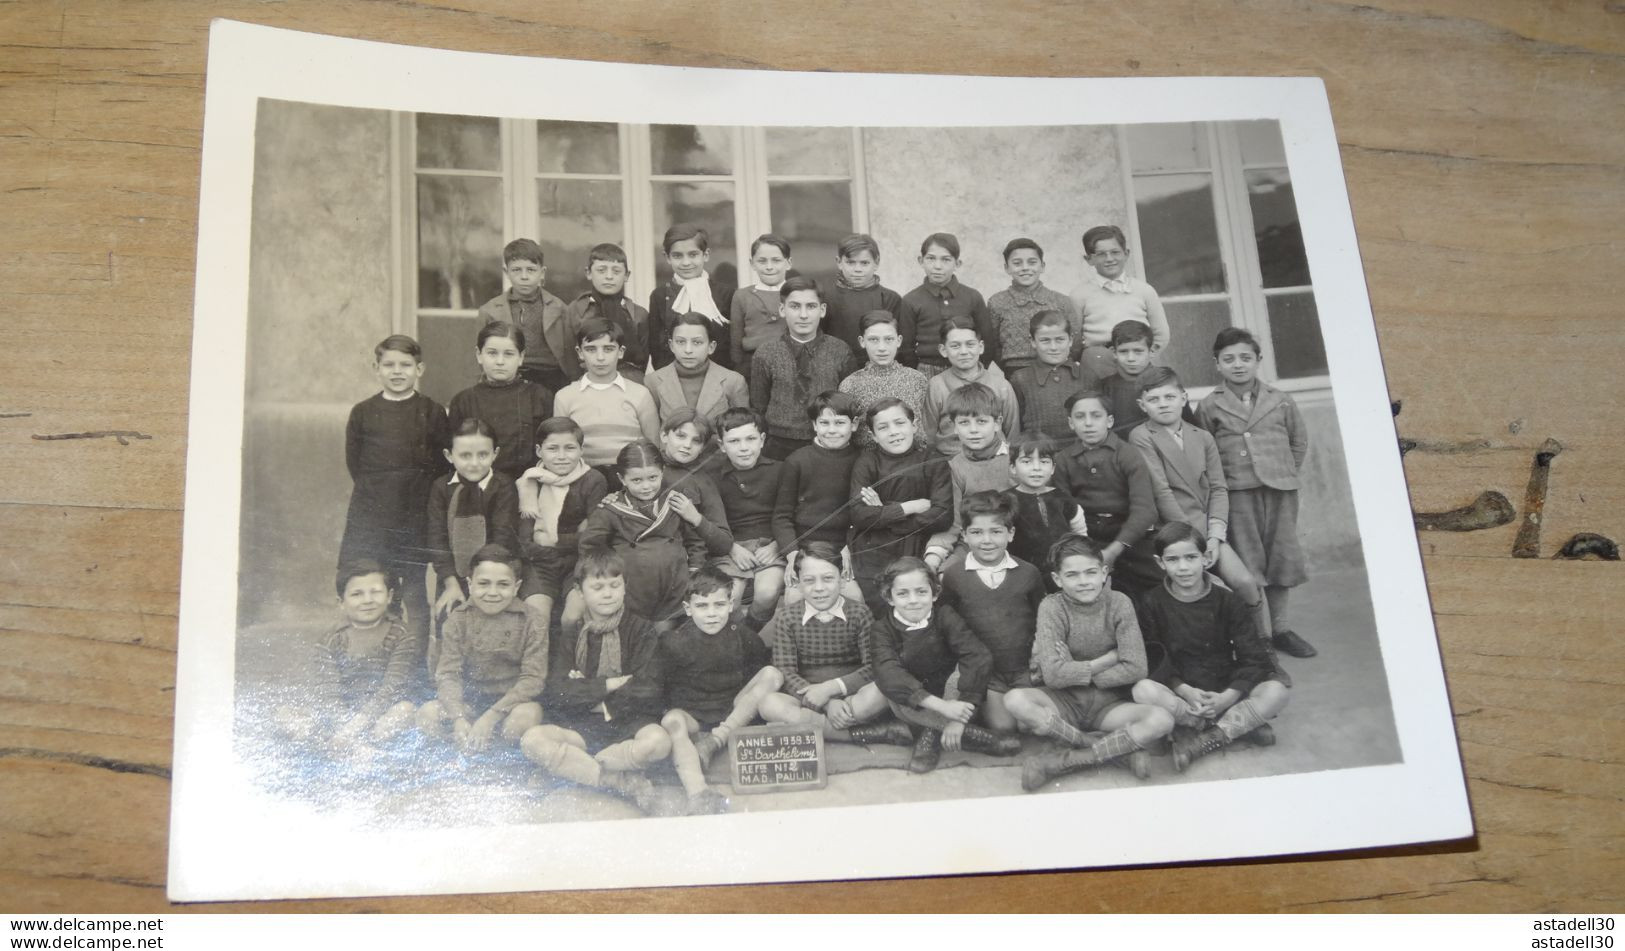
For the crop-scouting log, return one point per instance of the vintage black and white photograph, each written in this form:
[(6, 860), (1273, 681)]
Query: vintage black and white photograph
[(612, 478)]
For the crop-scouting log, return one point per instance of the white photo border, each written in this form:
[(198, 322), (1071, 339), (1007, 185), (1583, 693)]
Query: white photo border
[(229, 841)]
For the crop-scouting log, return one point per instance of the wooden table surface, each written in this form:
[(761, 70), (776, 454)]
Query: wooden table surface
[(1484, 144)]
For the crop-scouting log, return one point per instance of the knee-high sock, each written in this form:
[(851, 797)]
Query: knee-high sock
[(1112, 745), (1063, 731), (621, 757), (565, 761), (1276, 596), (1240, 720)]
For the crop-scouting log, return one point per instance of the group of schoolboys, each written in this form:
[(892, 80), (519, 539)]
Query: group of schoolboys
[(817, 505)]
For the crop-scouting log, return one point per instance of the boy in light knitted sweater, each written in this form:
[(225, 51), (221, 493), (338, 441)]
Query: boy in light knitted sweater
[(1087, 653), (753, 317), (611, 410)]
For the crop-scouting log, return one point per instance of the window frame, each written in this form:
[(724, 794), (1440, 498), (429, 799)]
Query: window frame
[(1238, 247)]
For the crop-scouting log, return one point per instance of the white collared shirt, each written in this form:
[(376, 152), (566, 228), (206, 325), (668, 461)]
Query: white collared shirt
[(907, 626), (618, 381), (808, 612), (1122, 284), (484, 483), (991, 575)]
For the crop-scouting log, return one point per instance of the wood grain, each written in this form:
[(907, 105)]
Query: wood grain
[(1482, 143)]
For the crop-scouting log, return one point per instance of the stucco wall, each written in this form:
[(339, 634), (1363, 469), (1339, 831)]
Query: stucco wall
[(319, 300), (986, 186), (1326, 526)]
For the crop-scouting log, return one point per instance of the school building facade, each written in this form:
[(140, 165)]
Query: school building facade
[(368, 223)]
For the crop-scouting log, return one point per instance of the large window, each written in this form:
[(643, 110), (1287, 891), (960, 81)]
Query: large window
[(1215, 228), (477, 183)]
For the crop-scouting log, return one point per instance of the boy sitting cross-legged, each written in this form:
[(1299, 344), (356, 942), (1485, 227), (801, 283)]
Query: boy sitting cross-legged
[(1088, 653), (602, 702), (711, 674), (493, 660), (998, 596), (1216, 677)]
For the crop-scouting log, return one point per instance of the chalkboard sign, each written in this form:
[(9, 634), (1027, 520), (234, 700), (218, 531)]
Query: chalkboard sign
[(776, 758)]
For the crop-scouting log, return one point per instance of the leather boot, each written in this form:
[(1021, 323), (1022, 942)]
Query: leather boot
[(1040, 769), (978, 739), (927, 752), (892, 732), (706, 747), (1188, 748), (633, 787)]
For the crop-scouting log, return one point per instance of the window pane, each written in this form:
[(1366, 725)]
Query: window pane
[(1261, 142), (809, 151), (814, 217), (574, 215), (448, 355), (1295, 331), (578, 147), (709, 205), (1281, 257), (1192, 325), (1178, 234), (470, 142), (1157, 146), (691, 150), (459, 241)]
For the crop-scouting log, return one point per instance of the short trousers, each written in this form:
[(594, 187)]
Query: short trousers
[(726, 565), (600, 733), (1085, 707), (1263, 529), (547, 572), (1004, 681)]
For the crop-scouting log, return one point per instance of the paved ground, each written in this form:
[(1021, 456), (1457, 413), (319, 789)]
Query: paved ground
[(1339, 717)]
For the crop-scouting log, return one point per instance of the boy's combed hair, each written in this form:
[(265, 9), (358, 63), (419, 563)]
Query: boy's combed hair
[(1031, 442), (943, 240), (686, 416), (841, 404), (800, 283), (1099, 233), (973, 399), (504, 330), (639, 454), (1175, 532), (1087, 393), (996, 505), (360, 568), (474, 426), (1128, 331), (903, 566), (555, 425), (1048, 317), (522, 249), (821, 551), (497, 555), (959, 323), (612, 253), (685, 232), (890, 402), (692, 319), (1159, 376), (1230, 336), (852, 244), (1022, 244), (400, 343), (1071, 545), (596, 327), (708, 580), (600, 564), (773, 239), (737, 416), (875, 317)]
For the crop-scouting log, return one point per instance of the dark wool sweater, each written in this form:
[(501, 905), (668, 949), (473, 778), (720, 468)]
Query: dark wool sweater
[(748, 496), (846, 307), (701, 673), (393, 449), (499, 503), (568, 699), (1041, 521), (662, 318), (883, 533), (913, 665), (512, 410), (814, 497), (1003, 618), (928, 308), (1211, 643), (773, 382)]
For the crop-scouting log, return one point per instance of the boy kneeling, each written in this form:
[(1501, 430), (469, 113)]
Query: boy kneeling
[(493, 655), (601, 701), (710, 675), (1216, 676)]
